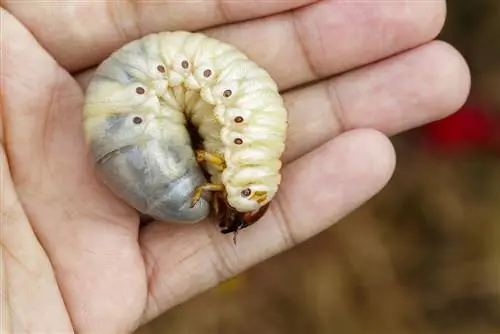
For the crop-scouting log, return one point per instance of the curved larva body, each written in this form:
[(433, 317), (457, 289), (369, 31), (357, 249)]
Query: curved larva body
[(140, 102)]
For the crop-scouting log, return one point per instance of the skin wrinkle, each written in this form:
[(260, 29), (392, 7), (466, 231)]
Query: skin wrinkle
[(18, 205), (170, 297), (124, 16), (316, 74), (54, 273), (6, 210), (2, 108), (336, 105), (114, 221), (281, 215), (39, 276), (222, 267), (48, 125), (220, 263), (5, 307), (136, 14), (221, 9), (314, 71), (322, 47), (18, 261), (151, 270)]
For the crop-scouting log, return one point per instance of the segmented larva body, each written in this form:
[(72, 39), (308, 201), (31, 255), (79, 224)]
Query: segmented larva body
[(140, 103)]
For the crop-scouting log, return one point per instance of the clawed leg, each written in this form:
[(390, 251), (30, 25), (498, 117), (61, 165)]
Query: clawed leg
[(216, 203), (210, 158), (206, 187)]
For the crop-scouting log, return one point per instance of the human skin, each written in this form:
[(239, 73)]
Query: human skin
[(74, 258)]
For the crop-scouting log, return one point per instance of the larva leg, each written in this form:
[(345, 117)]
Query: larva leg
[(210, 158), (216, 203), (206, 187), (259, 196)]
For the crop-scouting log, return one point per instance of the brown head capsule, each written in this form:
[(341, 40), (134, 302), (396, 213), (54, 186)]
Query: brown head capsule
[(234, 221)]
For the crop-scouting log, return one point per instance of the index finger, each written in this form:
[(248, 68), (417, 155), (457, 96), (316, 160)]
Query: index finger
[(80, 35)]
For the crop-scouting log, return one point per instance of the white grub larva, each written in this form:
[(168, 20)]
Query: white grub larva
[(140, 105)]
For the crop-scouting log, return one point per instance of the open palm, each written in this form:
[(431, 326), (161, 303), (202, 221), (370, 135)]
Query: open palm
[(74, 256)]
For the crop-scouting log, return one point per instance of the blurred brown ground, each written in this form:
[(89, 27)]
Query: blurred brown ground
[(421, 257)]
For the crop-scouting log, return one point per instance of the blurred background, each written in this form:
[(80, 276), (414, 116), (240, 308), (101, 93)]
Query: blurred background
[(422, 257)]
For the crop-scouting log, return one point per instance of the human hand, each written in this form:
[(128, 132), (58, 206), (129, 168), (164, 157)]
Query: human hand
[(74, 256)]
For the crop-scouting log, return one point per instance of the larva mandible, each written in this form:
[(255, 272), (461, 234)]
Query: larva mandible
[(139, 106)]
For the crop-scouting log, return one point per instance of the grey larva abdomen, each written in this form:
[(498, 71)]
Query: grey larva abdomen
[(139, 105), (154, 173)]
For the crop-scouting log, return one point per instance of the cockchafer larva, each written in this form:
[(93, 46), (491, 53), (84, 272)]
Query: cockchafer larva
[(140, 105)]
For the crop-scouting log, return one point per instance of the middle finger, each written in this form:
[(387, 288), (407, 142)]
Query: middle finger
[(329, 37), (402, 92)]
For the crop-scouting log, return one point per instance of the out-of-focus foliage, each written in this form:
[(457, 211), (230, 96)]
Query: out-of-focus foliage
[(422, 257)]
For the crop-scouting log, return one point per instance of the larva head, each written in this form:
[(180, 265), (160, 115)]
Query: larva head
[(234, 221), (244, 208)]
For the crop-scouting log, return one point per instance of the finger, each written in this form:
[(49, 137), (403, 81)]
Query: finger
[(184, 261), (70, 33), (392, 96), (31, 301), (329, 37)]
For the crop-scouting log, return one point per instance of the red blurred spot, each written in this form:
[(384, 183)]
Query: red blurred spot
[(472, 127)]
